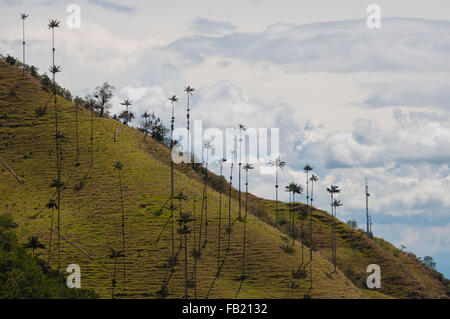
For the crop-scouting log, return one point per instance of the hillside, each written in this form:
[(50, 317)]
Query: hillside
[(91, 214)]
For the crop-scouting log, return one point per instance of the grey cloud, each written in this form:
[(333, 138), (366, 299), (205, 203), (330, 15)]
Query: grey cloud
[(346, 46), (113, 6), (202, 25)]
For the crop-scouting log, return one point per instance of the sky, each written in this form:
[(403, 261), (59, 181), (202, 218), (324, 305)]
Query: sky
[(351, 101)]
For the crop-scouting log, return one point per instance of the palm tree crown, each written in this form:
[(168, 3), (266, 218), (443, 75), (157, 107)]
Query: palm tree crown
[(53, 23)]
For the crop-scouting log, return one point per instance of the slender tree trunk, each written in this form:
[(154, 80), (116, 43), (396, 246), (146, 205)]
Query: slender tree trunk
[(206, 199), (220, 219), (240, 166), (123, 228), (276, 196), (311, 238), (23, 44), (245, 226), (76, 134), (92, 135), (171, 184), (195, 257), (185, 267), (229, 207), (51, 235), (332, 228), (293, 220), (114, 278)]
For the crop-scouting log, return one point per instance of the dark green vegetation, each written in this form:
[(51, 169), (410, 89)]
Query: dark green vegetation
[(92, 217)]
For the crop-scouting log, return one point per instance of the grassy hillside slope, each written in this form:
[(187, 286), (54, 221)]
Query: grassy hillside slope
[(91, 214)]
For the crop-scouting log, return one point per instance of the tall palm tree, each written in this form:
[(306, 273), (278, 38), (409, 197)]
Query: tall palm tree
[(195, 253), (277, 163), (119, 166), (229, 199), (114, 254), (312, 179), (336, 204), (221, 161), (241, 128), (51, 205), (296, 189), (209, 147), (53, 24), (288, 189), (247, 167), (307, 168), (173, 99), (23, 16), (189, 91), (34, 243), (333, 189), (145, 116), (184, 230)]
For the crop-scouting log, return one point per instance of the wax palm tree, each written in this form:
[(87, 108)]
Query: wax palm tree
[(333, 189), (23, 16), (184, 230), (229, 199), (34, 243), (209, 147), (312, 179), (53, 24), (336, 204), (114, 254), (119, 166), (241, 128), (221, 161), (277, 163), (247, 167), (189, 91), (173, 99), (296, 189), (307, 169), (51, 205), (288, 189)]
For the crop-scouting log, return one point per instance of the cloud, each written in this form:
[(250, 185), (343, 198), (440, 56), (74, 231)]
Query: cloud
[(344, 46), (113, 6), (205, 26)]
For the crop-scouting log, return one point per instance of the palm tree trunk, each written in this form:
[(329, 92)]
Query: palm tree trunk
[(206, 199), (195, 257), (245, 226), (172, 185), (311, 238), (92, 135), (23, 44), (332, 228), (76, 133), (123, 228)]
